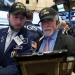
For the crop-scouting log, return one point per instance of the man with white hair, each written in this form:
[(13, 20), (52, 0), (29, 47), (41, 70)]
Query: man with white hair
[(56, 40)]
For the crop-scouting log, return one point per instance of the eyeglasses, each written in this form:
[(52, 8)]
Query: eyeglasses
[(48, 21)]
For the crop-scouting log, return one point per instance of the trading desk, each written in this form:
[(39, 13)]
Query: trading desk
[(47, 63)]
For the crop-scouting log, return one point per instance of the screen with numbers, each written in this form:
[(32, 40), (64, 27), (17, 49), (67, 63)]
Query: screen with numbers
[(65, 16), (72, 15)]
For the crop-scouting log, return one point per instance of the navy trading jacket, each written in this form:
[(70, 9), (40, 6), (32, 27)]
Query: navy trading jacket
[(7, 66), (30, 26)]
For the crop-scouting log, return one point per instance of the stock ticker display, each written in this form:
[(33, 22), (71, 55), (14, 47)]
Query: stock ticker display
[(72, 15), (65, 16)]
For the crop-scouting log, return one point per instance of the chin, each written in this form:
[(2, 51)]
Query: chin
[(48, 34), (17, 29)]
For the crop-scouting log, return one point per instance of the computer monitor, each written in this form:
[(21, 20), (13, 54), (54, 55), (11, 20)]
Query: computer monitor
[(60, 7), (72, 20), (3, 18), (64, 16), (72, 15)]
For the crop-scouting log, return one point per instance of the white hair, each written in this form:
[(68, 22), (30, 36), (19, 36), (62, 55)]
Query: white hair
[(58, 20)]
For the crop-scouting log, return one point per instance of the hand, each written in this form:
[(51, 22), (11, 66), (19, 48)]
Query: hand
[(72, 73)]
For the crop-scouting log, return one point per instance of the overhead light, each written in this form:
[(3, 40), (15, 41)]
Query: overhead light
[(73, 7)]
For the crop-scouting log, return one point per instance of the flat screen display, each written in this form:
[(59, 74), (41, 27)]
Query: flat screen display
[(72, 15), (64, 16), (3, 17), (60, 8)]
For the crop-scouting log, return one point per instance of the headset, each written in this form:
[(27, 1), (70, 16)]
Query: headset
[(58, 20)]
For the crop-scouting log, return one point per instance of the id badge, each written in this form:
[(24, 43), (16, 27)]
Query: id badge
[(18, 40)]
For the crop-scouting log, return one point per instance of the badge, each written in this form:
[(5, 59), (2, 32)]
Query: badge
[(18, 47), (30, 27), (13, 53), (21, 37), (25, 41), (34, 44), (18, 40)]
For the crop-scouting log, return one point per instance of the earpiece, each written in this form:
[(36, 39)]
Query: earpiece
[(58, 20)]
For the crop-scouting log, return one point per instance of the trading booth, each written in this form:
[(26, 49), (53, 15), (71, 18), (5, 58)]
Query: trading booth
[(47, 63)]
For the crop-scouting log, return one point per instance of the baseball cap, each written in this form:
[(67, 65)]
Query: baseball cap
[(17, 7), (47, 13)]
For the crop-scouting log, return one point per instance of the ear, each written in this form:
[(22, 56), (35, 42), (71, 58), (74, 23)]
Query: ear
[(8, 16)]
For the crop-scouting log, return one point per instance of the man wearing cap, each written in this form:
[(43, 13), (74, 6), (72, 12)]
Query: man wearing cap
[(53, 39), (15, 39), (56, 40)]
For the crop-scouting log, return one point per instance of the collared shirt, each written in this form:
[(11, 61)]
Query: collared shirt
[(13, 32), (9, 39), (52, 41)]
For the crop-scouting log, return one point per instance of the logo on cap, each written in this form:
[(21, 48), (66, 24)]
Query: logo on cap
[(20, 6), (44, 12)]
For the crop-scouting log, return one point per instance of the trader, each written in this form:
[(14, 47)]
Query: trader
[(15, 39), (30, 26), (53, 39)]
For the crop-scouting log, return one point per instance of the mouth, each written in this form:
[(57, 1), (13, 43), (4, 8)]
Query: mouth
[(17, 26)]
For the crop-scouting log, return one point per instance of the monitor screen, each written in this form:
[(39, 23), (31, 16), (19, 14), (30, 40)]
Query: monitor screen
[(60, 8), (64, 16), (3, 17), (35, 18), (72, 15)]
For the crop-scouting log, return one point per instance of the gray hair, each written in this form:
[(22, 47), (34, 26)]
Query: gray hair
[(58, 21)]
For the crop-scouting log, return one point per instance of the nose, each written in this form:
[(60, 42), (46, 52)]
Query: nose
[(18, 20)]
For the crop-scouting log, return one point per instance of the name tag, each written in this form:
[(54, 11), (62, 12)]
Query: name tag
[(18, 47), (18, 40)]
